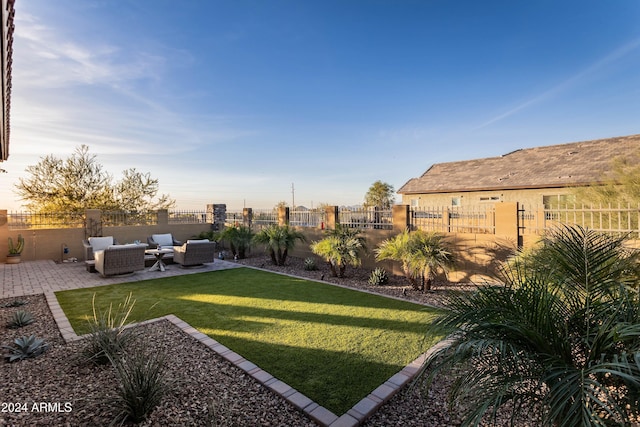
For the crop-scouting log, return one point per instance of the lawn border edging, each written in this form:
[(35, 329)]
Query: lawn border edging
[(324, 417)]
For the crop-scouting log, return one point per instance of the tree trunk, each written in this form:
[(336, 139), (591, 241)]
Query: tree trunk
[(284, 256), (272, 254), (343, 268), (334, 273)]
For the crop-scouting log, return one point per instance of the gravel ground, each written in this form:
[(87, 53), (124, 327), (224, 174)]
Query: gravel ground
[(206, 391)]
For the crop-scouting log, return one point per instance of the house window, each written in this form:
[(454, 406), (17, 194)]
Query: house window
[(490, 198), (415, 203), (558, 200), (455, 201)]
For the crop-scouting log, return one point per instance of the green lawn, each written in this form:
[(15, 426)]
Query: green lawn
[(334, 345)]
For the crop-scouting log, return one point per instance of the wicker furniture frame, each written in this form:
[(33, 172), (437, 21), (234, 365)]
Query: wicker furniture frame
[(191, 254), (120, 259)]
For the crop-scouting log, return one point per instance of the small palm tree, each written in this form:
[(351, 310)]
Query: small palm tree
[(279, 240), (240, 238), (341, 247), (428, 255), (559, 339), (422, 255)]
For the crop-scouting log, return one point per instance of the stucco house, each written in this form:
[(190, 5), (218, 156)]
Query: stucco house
[(531, 176)]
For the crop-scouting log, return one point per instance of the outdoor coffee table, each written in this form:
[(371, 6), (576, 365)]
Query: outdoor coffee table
[(159, 254)]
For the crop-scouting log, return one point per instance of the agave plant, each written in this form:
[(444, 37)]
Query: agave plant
[(310, 264), (15, 303), (25, 347), (378, 277), (559, 340), (19, 319)]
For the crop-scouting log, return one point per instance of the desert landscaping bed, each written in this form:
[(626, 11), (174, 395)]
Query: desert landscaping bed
[(207, 390)]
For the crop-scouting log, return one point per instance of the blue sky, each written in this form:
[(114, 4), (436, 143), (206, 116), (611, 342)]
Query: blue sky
[(233, 101)]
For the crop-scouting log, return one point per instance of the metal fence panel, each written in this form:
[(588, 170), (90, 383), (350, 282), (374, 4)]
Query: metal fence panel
[(364, 218), (17, 220), (444, 219)]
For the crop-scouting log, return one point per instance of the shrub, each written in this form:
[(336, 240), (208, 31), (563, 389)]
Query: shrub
[(142, 383), (109, 335), (378, 277), (310, 264), (25, 347), (19, 319)]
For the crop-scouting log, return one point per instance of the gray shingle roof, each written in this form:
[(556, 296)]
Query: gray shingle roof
[(564, 165)]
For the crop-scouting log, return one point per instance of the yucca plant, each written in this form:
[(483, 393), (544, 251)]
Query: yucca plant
[(109, 335), (378, 277), (25, 347), (19, 319), (559, 341), (142, 383)]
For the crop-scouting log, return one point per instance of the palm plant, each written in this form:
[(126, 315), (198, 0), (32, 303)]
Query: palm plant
[(428, 256), (422, 255), (559, 339), (341, 247), (240, 238), (279, 240)]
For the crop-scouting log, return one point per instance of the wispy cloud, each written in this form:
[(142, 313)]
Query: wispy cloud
[(48, 60), (71, 91), (612, 57)]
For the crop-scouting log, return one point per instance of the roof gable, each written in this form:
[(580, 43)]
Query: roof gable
[(564, 165)]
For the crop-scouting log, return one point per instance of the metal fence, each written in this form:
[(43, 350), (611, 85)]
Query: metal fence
[(18, 220), (187, 217), (472, 219), (364, 218), (308, 218), (264, 217), (233, 219), (611, 218), (122, 218)]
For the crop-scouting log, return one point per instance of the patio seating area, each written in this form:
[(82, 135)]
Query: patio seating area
[(43, 276)]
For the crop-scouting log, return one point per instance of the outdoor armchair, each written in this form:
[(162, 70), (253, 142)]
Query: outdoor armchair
[(194, 252), (120, 259), (94, 244), (164, 240)]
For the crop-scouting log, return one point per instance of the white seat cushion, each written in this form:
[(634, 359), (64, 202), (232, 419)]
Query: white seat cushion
[(100, 243), (198, 241), (163, 239)]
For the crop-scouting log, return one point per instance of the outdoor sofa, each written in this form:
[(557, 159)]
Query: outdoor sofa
[(120, 259), (194, 252)]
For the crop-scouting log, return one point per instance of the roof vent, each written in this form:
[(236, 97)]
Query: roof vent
[(571, 153)]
